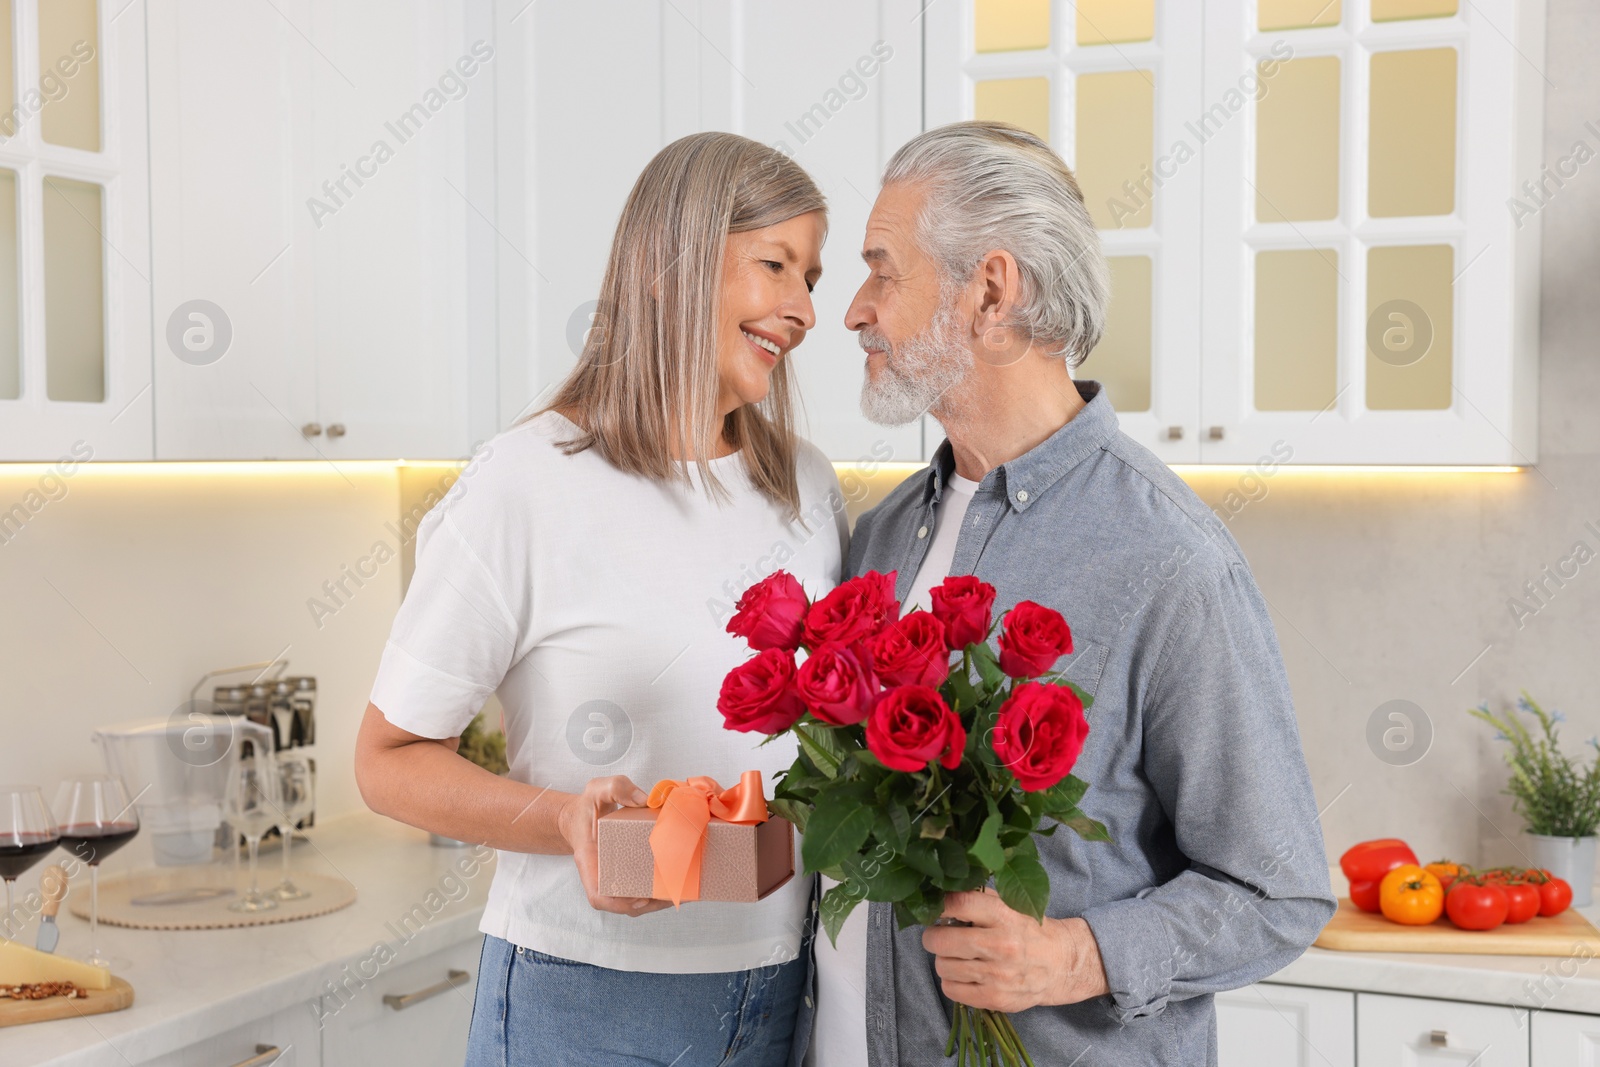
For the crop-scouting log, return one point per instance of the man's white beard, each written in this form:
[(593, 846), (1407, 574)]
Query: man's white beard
[(917, 373)]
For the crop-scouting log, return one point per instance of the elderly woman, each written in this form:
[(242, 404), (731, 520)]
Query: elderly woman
[(582, 568)]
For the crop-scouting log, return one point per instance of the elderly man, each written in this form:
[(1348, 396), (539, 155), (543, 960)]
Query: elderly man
[(987, 284)]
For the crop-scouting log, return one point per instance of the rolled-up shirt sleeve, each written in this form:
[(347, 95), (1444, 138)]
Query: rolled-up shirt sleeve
[(1222, 752), (453, 639)]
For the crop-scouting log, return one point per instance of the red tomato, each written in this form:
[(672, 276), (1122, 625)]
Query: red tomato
[(1366, 863), (1365, 895), (1476, 907), (1522, 902), (1445, 871), (1371, 860), (1554, 896)]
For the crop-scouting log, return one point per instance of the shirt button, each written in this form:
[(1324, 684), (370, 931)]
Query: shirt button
[(1022, 496), (922, 533), (808, 1002)]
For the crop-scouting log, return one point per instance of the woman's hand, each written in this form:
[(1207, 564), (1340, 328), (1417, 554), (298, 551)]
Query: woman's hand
[(577, 824)]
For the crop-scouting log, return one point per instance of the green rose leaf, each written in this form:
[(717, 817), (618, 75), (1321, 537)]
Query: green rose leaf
[(922, 856), (888, 881), (1087, 828), (793, 810), (836, 831), (894, 826), (837, 904), (1023, 885), (986, 849), (1064, 795), (988, 666), (822, 748), (1088, 701), (952, 859)]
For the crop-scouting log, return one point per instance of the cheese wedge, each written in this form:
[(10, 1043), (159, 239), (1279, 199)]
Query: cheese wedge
[(20, 965)]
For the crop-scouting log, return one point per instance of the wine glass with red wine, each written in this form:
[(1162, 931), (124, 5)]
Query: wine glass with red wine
[(27, 834), (97, 818)]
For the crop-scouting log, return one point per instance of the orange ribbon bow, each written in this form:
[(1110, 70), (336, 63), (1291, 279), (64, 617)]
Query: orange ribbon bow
[(679, 838)]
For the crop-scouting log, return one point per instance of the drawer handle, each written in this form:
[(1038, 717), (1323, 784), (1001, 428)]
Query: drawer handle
[(1439, 1038), (265, 1054), (1174, 433), (402, 1001)]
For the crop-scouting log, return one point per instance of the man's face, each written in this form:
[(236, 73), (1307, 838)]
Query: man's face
[(911, 327)]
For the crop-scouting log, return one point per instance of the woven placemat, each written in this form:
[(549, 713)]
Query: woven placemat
[(328, 894)]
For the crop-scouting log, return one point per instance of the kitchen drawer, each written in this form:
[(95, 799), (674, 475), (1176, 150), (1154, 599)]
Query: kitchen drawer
[(292, 1032), (1416, 1032), (1286, 1026), (1562, 1039), (361, 1028)]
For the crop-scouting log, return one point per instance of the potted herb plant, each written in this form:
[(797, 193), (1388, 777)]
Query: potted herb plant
[(486, 748), (1558, 796)]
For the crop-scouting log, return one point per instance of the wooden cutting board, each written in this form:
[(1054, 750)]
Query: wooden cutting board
[(1354, 930), (98, 1001)]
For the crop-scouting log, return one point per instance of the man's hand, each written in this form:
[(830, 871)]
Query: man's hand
[(1005, 961)]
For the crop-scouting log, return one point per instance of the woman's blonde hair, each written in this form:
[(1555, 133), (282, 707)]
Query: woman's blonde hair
[(647, 375)]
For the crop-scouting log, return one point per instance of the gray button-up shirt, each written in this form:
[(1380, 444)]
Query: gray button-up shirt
[(1215, 874)]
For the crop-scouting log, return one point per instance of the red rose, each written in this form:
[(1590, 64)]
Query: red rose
[(858, 608), (963, 604), (837, 685), (1032, 638), (1039, 733), (771, 613), (911, 726), (758, 695), (911, 652)]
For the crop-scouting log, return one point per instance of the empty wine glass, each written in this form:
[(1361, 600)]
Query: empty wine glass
[(97, 818), (251, 808), (296, 798), (27, 833)]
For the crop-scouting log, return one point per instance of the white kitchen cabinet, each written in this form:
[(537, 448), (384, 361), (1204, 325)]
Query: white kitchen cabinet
[(319, 179), (287, 1039), (1563, 1039), (1430, 352), (1413, 1031), (412, 1014), (74, 236), (1150, 235), (1323, 234), (836, 84), (1286, 1026)]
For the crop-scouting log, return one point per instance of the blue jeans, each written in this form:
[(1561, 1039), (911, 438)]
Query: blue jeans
[(544, 1011)]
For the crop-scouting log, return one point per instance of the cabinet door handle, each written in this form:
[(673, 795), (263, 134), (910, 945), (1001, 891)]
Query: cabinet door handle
[(1439, 1039), (1215, 433), (311, 429), (402, 1001), (1174, 433), (336, 430), (265, 1054)]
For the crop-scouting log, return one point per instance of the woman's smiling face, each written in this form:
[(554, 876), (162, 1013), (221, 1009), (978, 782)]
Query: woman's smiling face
[(767, 278)]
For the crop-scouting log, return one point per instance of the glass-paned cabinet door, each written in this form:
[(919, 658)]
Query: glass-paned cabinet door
[(74, 233), (1370, 293), (1112, 86)]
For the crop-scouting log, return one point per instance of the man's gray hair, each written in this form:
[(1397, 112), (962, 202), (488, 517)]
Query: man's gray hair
[(991, 186)]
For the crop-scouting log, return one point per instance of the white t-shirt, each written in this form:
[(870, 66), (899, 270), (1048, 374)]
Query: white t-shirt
[(595, 603), (839, 1034)]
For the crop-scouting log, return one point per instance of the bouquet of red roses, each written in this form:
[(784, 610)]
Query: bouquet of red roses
[(921, 772)]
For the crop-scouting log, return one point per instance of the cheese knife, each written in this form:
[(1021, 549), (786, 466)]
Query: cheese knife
[(53, 883)]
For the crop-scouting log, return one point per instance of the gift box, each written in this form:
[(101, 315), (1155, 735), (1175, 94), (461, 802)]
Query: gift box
[(696, 841)]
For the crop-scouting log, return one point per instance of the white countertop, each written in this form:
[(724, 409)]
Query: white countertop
[(193, 984), (190, 985), (1560, 983)]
